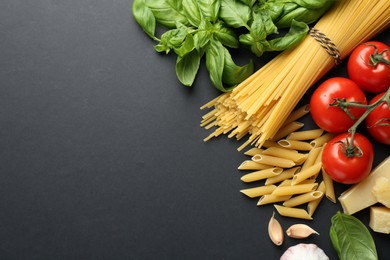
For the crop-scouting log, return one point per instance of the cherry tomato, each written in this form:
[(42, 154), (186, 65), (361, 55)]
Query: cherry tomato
[(378, 121), (369, 66), (344, 165), (334, 119)]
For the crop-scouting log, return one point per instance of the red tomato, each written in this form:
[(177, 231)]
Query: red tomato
[(331, 118), (378, 121), (369, 66), (341, 166)]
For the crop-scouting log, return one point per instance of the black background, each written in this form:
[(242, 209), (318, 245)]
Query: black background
[(102, 156)]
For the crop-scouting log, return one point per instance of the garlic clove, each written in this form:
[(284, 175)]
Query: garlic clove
[(275, 231), (300, 231)]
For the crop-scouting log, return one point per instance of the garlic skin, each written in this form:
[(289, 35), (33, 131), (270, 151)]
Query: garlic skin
[(304, 252), (275, 231), (300, 231)]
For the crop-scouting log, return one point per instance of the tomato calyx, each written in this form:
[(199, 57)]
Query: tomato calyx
[(377, 57), (343, 104), (348, 149)]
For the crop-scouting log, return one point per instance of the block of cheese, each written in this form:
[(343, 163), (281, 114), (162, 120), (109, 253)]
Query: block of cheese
[(381, 190), (380, 219), (360, 196)]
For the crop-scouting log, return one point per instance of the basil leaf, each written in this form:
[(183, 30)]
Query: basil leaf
[(225, 35), (144, 17), (311, 4), (192, 12), (351, 239), (204, 34), (235, 13), (209, 9), (234, 74), (171, 39), (295, 35), (168, 12), (187, 46), (215, 60), (187, 67)]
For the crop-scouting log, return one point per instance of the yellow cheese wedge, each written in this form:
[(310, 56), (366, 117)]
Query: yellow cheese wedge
[(360, 196), (380, 219), (381, 190)]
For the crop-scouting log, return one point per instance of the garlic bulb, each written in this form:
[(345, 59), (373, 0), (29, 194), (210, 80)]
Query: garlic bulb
[(304, 252)]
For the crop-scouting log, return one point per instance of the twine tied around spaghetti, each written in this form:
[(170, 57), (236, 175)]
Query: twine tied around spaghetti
[(327, 44)]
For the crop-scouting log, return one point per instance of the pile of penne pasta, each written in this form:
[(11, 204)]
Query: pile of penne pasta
[(289, 170)]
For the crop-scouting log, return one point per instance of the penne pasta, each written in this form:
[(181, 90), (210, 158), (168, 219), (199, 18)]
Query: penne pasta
[(253, 151), (306, 174), (251, 165), (262, 174), (287, 129), (312, 205), (297, 114), (286, 174), (293, 212), (303, 198), (258, 191), (294, 144), (305, 135), (289, 154), (311, 158), (273, 161), (329, 193), (269, 198), (294, 189), (322, 140)]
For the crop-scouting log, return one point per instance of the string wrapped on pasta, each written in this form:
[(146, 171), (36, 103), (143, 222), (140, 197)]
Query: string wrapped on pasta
[(260, 105)]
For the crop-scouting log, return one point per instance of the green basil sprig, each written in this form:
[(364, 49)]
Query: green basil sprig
[(209, 28), (351, 239)]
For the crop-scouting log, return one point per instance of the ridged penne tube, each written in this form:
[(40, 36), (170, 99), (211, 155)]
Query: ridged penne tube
[(323, 139), (306, 174), (253, 151), (269, 143), (285, 153), (329, 193), (296, 145), (311, 157), (269, 198), (273, 161), (292, 212), (303, 198), (286, 174), (297, 114), (312, 205), (251, 165), (258, 191), (305, 135), (294, 189), (262, 174), (287, 129)]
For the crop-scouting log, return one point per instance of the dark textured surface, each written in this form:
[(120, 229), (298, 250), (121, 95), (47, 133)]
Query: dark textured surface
[(101, 153)]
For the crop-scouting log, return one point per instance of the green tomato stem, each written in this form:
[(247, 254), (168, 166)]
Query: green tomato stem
[(352, 130)]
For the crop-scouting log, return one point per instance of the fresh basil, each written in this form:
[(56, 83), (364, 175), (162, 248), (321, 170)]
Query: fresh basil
[(234, 13), (167, 12), (234, 74), (192, 12), (187, 67), (351, 239), (197, 27), (144, 17), (215, 60)]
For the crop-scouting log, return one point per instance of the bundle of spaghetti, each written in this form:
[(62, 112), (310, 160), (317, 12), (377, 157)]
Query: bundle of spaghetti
[(260, 105)]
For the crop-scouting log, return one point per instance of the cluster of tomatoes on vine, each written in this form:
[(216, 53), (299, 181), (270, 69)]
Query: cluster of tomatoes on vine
[(339, 105)]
